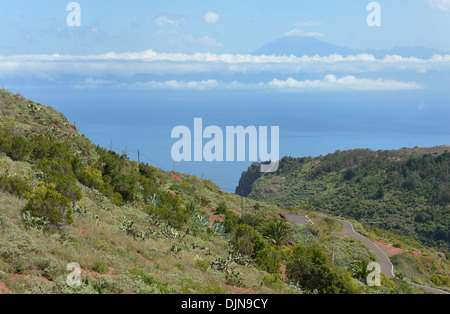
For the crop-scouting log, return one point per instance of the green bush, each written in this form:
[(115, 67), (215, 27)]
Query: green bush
[(269, 260), (100, 267), (248, 241), (170, 210), (310, 268), (15, 185), (440, 280), (15, 147), (59, 172), (202, 265), (92, 178), (222, 208), (47, 202), (273, 282), (231, 221)]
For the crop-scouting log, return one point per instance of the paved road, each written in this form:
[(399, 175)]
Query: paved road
[(383, 259), (299, 219)]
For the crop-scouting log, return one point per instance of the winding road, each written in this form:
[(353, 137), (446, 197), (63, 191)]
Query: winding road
[(383, 260), (385, 263)]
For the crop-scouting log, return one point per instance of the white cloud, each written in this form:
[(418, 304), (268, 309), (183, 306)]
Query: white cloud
[(173, 84), (91, 83), (208, 41), (211, 17), (300, 33), (164, 20), (329, 83), (443, 5), (422, 107), (130, 64)]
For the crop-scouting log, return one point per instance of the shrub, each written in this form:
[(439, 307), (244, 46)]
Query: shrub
[(269, 260), (440, 280), (100, 267), (169, 209), (15, 185), (273, 282), (92, 178), (222, 208), (117, 199), (202, 265), (47, 202), (231, 221), (311, 269), (14, 147), (248, 241), (59, 172)]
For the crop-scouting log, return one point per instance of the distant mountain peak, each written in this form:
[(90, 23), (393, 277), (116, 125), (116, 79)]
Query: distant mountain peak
[(310, 46)]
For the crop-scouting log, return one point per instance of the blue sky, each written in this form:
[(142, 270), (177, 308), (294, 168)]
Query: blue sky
[(31, 27), (132, 65), (203, 45)]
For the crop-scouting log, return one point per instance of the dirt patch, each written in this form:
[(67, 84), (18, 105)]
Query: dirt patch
[(283, 272), (282, 216), (4, 289), (415, 253), (214, 216), (241, 290), (387, 248), (176, 177)]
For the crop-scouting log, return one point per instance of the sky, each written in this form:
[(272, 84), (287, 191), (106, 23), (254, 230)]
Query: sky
[(143, 67), (198, 45), (35, 27)]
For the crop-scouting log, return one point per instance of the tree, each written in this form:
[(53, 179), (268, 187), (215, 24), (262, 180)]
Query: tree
[(278, 231), (360, 271), (47, 203), (310, 268)]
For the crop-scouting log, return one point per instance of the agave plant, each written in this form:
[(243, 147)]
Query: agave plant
[(202, 219), (219, 228), (153, 201), (190, 207)]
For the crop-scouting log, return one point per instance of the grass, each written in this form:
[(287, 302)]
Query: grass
[(117, 256)]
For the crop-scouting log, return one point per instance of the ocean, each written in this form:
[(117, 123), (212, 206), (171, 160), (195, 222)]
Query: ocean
[(311, 124)]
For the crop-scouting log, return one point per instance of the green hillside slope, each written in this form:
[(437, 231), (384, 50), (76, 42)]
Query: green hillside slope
[(134, 228), (405, 191)]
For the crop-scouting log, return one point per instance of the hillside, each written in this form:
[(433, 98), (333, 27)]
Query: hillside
[(405, 191), (134, 228)]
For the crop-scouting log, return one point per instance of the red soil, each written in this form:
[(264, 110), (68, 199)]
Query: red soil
[(4, 289), (176, 177), (214, 216), (387, 248), (283, 272), (241, 290)]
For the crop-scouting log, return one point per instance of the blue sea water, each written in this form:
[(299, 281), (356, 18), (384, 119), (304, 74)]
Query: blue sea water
[(311, 124)]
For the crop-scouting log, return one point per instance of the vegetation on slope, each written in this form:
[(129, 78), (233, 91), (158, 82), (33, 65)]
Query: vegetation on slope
[(134, 228), (406, 192)]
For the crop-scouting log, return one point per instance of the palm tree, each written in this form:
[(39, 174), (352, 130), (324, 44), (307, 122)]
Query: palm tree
[(278, 231), (360, 270)]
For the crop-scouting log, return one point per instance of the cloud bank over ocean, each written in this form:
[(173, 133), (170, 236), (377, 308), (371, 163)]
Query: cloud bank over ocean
[(121, 70)]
